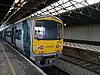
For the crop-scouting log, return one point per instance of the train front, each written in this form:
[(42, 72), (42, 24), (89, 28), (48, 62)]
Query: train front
[(48, 40)]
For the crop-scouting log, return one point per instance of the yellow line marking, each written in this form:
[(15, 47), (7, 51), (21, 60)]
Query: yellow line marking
[(9, 63)]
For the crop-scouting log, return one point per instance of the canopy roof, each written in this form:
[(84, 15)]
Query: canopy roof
[(72, 12)]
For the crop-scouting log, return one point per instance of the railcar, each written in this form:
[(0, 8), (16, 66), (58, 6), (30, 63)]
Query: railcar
[(39, 38)]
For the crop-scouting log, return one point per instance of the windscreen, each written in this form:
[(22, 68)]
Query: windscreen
[(48, 30)]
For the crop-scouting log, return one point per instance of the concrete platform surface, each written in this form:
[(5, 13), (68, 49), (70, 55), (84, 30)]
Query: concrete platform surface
[(83, 46), (12, 63)]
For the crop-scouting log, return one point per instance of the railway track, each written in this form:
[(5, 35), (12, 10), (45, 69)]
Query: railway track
[(53, 70), (82, 63)]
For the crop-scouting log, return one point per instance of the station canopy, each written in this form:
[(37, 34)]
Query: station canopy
[(72, 12)]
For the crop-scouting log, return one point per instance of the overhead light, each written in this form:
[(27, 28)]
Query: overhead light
[(18, 4), (21, 0), (32, 14), (23, 3), (16, 1), (9, 11), (65, 24)]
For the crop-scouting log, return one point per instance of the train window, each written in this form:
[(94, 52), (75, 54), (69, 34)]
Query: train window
[(59, 31), (39, 32), (1, 33), (8, 33), (48, 29), (18, 33), (28, 34)]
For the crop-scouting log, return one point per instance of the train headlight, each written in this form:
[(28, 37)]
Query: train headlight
[(38, 47), (42, 47), (35, 48), (58, 46)]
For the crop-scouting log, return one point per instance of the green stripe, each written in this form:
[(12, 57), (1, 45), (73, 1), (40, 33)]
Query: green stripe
[(26, 38)]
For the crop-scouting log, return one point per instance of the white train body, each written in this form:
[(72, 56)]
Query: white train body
[(22, 35)]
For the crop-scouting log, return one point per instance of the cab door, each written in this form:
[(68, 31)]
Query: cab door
[(13, 35), (26, 38)]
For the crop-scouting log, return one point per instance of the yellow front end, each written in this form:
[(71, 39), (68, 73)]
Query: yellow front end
[(47, 46), (47, 42)]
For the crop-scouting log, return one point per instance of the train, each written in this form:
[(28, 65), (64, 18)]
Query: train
[(38, 38)]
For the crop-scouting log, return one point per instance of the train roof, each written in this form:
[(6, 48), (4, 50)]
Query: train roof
[(36, 17), (48, 16)]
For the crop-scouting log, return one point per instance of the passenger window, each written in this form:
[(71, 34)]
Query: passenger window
[(8, 33), (18, 33)]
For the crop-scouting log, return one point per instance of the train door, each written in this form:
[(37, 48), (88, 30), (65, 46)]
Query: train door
[(4, 34), (13, 40), (26, 38)]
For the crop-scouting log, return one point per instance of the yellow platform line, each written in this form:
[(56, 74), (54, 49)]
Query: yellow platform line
[(9, 63)]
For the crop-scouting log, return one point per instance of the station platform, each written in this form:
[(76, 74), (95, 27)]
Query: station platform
[(14, 63), (82, 46), (85, 52)]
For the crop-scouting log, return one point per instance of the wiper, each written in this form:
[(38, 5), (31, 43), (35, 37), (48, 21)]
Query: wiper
[(59, 38), (37, 38)]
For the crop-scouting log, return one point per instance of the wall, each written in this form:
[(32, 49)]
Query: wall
[(88, 33)]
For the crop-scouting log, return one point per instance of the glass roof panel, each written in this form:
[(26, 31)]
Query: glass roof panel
[(55, 4), (52, 10), (92, 1), (49, 7), (60, 1), (58, 8), (62, 11), (65, 5)]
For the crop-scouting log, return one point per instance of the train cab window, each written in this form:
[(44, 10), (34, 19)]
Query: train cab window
[(39, 32), (48, 30), (59, 30)]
